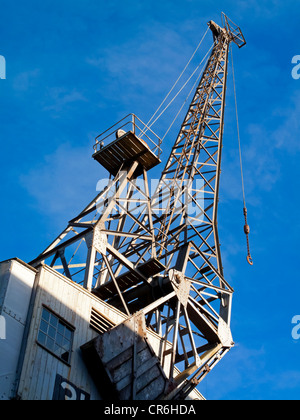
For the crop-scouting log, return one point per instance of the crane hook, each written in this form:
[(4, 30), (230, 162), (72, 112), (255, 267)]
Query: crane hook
[(247, 231), (249, 259)]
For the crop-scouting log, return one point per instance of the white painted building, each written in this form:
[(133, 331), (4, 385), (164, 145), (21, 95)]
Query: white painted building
[(47, 319)]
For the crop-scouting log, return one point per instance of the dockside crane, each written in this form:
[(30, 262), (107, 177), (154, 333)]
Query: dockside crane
[(153, 253)]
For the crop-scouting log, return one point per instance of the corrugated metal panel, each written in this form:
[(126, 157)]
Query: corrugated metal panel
[(42, 371), (16, 283)]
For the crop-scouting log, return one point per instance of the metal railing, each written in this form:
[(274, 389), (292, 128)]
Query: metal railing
[(234, 31), (130, 123)]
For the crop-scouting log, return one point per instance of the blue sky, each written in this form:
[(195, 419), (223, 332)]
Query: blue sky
[(73, 68)]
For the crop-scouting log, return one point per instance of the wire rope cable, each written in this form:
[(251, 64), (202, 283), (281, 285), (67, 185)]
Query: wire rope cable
[(246, 227), (173, 99), (180, 76), (190, 92)]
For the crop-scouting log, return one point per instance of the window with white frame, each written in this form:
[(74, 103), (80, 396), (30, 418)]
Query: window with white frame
[(55, 335)]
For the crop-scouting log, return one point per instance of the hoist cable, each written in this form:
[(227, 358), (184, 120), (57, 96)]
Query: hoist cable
[(178, 113), (245, 212), (183, 71), (172, 100), (238, 130), (181, 89)]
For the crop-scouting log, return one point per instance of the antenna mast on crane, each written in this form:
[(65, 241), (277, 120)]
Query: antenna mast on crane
[(156, 257)]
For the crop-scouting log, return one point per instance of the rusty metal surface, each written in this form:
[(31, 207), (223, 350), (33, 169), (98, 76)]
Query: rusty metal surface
[(125, 355)]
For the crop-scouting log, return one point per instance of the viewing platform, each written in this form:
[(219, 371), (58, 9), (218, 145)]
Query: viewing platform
[(127, 141)]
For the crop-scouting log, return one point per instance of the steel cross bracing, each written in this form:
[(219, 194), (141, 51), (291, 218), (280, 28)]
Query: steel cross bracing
[(159, 254)]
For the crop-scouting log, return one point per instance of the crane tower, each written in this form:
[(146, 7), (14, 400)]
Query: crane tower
[(151, 249)]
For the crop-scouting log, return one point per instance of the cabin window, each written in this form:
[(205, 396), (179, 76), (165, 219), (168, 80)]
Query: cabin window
[(55, 335)]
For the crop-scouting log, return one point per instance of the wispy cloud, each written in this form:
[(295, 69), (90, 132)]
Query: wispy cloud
[(240, 368), (265, 146), (245, 372), (58, 98), (62, 184), (23, 81), (286, 135), (133, 76)]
